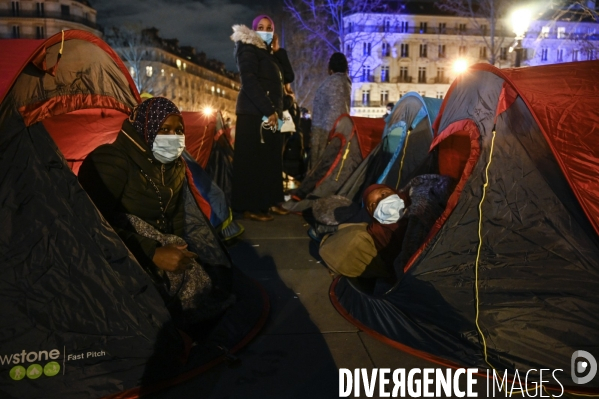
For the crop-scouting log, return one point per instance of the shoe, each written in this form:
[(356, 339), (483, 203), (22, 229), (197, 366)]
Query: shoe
[(277, 210), (259, 217)]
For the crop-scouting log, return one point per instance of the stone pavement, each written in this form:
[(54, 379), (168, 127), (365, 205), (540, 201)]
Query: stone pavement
[(305, 341)]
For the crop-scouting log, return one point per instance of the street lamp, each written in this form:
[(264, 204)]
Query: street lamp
[(520, 20), (460, 65)]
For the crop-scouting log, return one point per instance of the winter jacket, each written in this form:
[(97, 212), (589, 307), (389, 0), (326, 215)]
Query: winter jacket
[(263, 74), (113, 176)]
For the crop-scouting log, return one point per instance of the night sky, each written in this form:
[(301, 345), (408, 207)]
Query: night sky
[(204, 24)]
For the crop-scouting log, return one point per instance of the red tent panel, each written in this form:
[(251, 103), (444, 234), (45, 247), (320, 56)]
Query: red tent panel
[(369, 132), (15, 55), (78, 133), (199, 135), (563, 99)]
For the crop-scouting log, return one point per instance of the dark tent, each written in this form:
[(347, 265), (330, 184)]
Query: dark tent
[(80, 318), (402, 154), (514, 286), (350, 141)]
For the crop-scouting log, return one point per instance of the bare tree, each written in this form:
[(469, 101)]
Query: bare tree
[(486, 17), (135, 49)]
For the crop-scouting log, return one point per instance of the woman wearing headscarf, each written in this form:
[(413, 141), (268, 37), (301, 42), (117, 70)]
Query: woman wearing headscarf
[(138, 185), (264, 69)]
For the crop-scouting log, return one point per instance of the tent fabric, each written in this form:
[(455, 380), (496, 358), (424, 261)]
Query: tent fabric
[(74, 300), (402, 153), (538, 270), (350, 141), (199, 135)]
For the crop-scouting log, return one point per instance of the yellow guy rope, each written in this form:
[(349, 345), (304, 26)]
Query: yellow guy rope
[(480, 243), (405, 147), (61, 43), (343, 160)]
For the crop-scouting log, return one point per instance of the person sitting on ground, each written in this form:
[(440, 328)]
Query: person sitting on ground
[(138, 183), (401, 221), (369, 249)]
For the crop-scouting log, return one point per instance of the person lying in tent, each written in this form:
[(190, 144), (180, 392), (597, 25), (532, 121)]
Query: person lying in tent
[(139, 185), (401, 220)]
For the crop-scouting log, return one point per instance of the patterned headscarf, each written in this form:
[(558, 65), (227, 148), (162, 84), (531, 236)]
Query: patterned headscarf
[(261, 17), (148, 116)]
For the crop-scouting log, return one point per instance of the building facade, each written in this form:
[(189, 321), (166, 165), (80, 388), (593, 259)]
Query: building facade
[(424, 50), (40, 19), (160, 67)]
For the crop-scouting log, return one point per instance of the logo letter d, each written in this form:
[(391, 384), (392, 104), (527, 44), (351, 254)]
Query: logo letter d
[(582, 366)]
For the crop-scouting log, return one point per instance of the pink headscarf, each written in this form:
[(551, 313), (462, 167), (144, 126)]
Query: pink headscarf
[(259, 18)]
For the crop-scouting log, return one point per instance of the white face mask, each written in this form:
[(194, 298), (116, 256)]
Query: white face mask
[(390, 209), (168, 147), (265, 36)]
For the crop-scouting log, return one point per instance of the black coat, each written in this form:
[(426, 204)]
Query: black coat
[(263, 74)]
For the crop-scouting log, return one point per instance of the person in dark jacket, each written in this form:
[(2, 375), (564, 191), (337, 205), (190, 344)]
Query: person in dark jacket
[(257, 164), (137, 183)]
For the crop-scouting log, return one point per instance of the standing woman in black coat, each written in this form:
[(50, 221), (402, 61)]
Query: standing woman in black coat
[(257, 164)]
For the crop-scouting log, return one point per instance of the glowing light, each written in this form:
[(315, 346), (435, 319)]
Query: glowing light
[(208, 110), (520, 20), (460, 65)]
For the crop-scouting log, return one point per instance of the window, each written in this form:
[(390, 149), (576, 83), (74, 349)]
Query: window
[(440, 95), (421, 74), (441, 51), (132, 72), (350, 27), (404, 49), (422, 93), (503, 53), (442, 27), (574, 55), (591, 54), (39, 32), (545, 30), (402, 93), (423, 50), (403, 74), (560, 55), (384, 97), (423, 27), (387, 26), (149, 71), (178, 62), (482, 53), (386, 49), (365, 97), (40, 9), (366, 74), (162, 72), (543, 54), (15, 8), (348, 50), (184, 66), (384, 74), (403, 27), (440, 75), (462, 50), (65, 11), (366, 49), (461, 28), (561, 32), (16, 32)]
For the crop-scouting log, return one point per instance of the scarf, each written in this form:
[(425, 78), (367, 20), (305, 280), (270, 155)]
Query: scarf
[(148, 116), (387, 238), (259, 18)]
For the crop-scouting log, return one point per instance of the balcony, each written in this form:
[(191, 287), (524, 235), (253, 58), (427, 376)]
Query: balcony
[(428, 31), (402, 79), (375, 104), (50, 15), (366, 78), (441, 79)]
